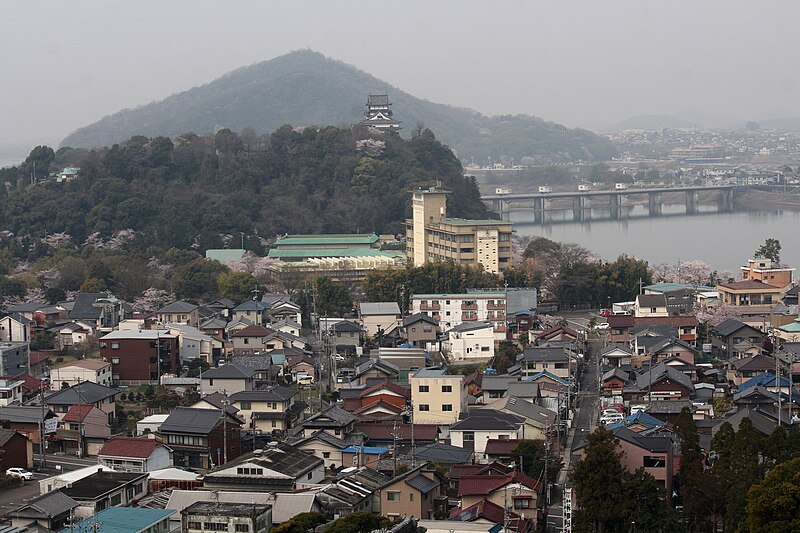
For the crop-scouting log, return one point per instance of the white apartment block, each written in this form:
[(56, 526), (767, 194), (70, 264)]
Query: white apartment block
[(452, 310), (470, 342)]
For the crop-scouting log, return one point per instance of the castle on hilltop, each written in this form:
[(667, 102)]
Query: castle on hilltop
[(379, 114)]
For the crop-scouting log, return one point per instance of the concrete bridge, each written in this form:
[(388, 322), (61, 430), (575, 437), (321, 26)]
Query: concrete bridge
[(582, 202)]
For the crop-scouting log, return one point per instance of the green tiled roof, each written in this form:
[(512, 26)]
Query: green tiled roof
[(225, 255), (333, 252), (666, 287), (468, 222), (333, 238), (794, 327), (462, 296)]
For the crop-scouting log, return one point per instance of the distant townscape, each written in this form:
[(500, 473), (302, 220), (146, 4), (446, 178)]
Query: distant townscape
[(327, 329)]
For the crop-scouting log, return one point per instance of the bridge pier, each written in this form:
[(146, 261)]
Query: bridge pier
[(725, 201), (692, 200), (654, 204), (615, 205)]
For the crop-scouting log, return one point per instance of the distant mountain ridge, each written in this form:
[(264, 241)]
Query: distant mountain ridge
[(305, 88)]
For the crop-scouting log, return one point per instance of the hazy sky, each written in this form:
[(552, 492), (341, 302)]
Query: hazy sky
[(587, 63)]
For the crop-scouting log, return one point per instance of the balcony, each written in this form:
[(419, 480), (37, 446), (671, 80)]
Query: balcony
[(469, 307), (430, 307), (468, 318), (500, 329), (496, 307)]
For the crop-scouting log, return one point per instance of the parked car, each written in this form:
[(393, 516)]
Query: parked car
[(19, 473), (338, 357), (611, 418), (305, 380), (602, 326), (605, 313)]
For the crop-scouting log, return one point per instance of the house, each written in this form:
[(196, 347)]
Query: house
[(101, 309), (556, 360), (539, 422), (369, 456), (29, 421), (470, 342), (681, 327), (662, 382), (648, 305), (767, 271), (615, 356), (16, 450), (322, 445), (268, 410), (249, 339), (30, 388), (745, 368), (749, 297), (613, 381), (347, 334), (653, 452), (619, 329), (493, 488), (10, 391), (222, 308), (14, 357), (278, 467), (282, 308), (287, 326), (227, 379), (195, 344), (473, 469), (494, 386), (385, 397), (179, 313), (140, 357), (374, 369), (71, 334), (379, 318), (391, 433), (84, 393), (557, 334), (301, 365), (83, 430), (149, 425), (680, 302), (201, 437), (255, 311), (69, 374), (437, 397), (101, 490), (500, 451), (214, 327), (412, 493), (226, 517), (125, 520), (333, 419), (406, 357), (443, 454), (50, 511), (15, 328), (476, 428), (284, 505), (421, 330), (131, 454), (730, 333), (483, 516), (671, 347), (280, 340)]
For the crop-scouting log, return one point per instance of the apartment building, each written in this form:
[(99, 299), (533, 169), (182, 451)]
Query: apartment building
[(139, 357), (432, 236), (437, 397), (94, 370), (767, 271), (452, 310)]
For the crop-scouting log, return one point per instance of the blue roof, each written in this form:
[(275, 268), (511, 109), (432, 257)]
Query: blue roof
[(120, 520), (765, 379), (665, 287), (639, 418), (278, 358), (369, 450), (549, 375)]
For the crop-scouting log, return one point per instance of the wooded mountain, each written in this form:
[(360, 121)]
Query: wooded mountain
[(305, 88), (189, 192)]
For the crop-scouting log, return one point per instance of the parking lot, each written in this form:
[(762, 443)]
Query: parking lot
[(12, 498)]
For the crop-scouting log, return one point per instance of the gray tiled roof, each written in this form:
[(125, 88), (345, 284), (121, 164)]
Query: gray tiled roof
[(443, 453), (229, 371), (45, 506), (278, 457), (729, 326), (422, 483), (488, 420), (538, 354), (190, 420), (660, 372), (178, 307), (85, 392), (83, 307), (333, 417), (470, 326), (379, 308), (275, 393)]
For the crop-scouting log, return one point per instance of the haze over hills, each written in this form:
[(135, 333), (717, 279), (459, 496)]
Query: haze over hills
[(305, 88)]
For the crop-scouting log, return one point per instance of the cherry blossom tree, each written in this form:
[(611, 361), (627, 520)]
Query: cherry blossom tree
[(152, 299), (252, 264), (370, 147), (57, 240), (49, 277), (716, 314)]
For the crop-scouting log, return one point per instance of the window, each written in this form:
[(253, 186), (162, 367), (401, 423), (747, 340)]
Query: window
[(424, 407), (651, 461), (116, 499), (423, 388), (447, 388), (245, 406), (246, 340), (242, 528), (522, 503), (274, 423), (309, 475), (502, 437), (115, 346), (215, 526), (193, 525), (411, 497), (115, 360), (447, 407), (326, 455), (469, 436), (393, 496)]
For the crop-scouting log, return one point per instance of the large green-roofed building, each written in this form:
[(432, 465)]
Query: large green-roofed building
[(333, 240)]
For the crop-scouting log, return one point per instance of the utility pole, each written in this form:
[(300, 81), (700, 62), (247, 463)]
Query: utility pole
[(225, 428), (42, 451), (394, 450), (778, 376)]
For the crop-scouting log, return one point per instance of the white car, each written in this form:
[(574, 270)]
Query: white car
[(19, 473), (338, 357), (602, 326), (611, 418)]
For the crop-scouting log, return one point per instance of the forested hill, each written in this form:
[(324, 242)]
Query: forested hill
[(305, 88), (188, 192)]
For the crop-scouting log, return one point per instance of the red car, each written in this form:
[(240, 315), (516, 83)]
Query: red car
[(605, 312)]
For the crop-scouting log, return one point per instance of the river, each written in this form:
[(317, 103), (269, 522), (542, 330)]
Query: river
[(723, 240)]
